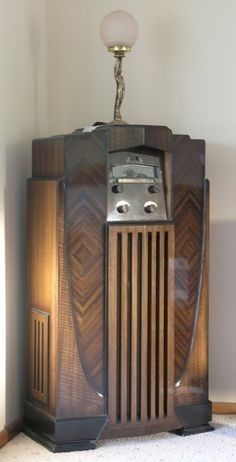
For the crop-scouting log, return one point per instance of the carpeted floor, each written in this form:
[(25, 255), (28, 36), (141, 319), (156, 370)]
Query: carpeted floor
[(217, 446)]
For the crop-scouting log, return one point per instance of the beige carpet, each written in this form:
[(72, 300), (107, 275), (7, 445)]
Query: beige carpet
[(217, 446)]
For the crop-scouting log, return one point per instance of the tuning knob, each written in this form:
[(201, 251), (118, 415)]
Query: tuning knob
[(117, 188), (122, 207), (150, 207), (155, 188)]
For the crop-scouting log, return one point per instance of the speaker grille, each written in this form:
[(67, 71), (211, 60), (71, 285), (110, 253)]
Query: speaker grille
[(140, 323), (39, 359)]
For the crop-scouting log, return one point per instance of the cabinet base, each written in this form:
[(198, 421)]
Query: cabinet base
[(194, 419), (59, 447), (62, 435)]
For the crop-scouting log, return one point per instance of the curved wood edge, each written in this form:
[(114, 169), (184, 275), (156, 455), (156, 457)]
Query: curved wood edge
[(10, 431)]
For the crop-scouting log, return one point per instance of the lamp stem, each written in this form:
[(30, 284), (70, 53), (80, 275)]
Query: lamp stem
[(120, 88)]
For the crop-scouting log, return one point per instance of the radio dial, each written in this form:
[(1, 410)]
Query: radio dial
[(150, 207), (117, 188), (122, 207)]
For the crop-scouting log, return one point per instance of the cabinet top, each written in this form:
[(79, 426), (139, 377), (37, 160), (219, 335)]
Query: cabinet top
[(50, 154)]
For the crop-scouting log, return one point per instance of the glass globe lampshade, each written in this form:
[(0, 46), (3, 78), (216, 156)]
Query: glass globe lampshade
[(119, 29)]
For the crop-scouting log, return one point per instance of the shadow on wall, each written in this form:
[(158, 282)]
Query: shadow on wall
[(17, 170), (222, 311)]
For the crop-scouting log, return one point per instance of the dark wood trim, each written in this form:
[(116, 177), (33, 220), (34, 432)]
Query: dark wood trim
[(10, 431), (194, 430), (194, 418), (61, 435), (224, 408), (59, 447)]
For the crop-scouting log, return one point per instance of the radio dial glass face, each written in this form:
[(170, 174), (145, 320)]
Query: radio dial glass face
[(133, 180), (134, 173)]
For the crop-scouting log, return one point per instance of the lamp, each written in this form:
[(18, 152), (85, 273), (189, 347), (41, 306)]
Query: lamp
[(119, 31)]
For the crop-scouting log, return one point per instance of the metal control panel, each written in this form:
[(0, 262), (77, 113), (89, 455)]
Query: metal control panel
[(135, 187)]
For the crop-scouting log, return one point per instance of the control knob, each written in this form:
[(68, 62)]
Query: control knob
[(122, 207), (117, 188), (150, 207), (155, 188)]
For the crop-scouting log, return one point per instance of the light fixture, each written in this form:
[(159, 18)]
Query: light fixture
[(119, 31)]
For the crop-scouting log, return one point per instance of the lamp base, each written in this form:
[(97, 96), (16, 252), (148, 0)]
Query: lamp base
[(118, 122)]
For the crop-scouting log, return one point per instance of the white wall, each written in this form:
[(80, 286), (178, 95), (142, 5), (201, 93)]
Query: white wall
[(181, 73), (22, 117)]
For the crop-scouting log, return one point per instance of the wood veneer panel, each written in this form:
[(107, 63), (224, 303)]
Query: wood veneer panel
[(48, 158), (86, 210), (188, 218), (42, 269), (158, 137), (125, 137), (76, 397)]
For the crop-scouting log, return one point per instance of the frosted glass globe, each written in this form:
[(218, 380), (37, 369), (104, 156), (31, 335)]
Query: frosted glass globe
[(119, 29)]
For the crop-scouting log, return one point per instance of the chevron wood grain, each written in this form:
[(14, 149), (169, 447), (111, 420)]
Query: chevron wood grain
[(193, 385), (85, 204), (75, 396)]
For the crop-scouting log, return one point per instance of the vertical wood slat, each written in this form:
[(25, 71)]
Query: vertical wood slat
[(170, 323), (144, 330), (153, 344), (124, 332), (140, 281), (112, 328), (35, 354), (134, 327), (40, 373), (160, 368)]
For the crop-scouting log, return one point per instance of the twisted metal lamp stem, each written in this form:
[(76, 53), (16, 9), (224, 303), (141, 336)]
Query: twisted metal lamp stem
[(120, 88)]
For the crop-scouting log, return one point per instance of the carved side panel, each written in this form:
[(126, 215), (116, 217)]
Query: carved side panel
[(42, 290), (86, 209)]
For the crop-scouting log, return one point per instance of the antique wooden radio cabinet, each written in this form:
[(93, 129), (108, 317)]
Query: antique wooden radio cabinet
[(117, 286)]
